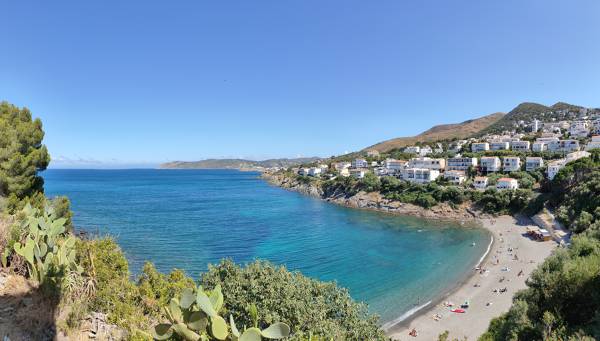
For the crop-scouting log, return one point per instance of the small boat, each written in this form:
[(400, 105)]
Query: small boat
[(472, 244), (459, 311)]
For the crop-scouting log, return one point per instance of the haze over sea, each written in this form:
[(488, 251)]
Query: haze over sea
[(189, 218)]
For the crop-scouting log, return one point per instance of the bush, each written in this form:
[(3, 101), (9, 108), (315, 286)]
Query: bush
[(370, 183), (116, 295), (305, 304), (561, 302)]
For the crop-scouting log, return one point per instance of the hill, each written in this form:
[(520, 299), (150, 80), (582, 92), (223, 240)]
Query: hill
[(441, 132), (236, 163), (528, 111)]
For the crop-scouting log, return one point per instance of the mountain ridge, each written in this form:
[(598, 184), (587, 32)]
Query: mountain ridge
[(236, 163)]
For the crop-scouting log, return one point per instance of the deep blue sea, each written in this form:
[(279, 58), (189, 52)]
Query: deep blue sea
[(189, 218)]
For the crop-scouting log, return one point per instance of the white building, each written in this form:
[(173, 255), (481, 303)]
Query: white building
[(456, 177), (461, 163), (381, 171), (554, 167), (303, 171), (489, 164), (498, 145), (439, 148), (480, 182), (539, 146), (535, 125), (360, 163), (579, 128), (426, 162), (345, 172), (394, 165), (563, 146), (456, 146), (520, 145), (595, 143), (314, 171), (511, 163), (425, 150), (480, 147), (533, 163), (419, 175), (596, 127), (358, 173), (338, 166), (507, 183), (577, 155), (412, 150)]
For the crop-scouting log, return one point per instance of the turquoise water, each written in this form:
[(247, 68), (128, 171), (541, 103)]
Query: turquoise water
[(190, 218)]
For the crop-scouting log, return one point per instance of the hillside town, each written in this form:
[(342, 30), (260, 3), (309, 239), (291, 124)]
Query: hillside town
[(535, 146)]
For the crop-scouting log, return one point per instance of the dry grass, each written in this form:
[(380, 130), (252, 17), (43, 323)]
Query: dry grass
[(441, 132)]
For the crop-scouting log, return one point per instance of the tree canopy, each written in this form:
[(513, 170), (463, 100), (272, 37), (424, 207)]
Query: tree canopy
[(22, 154)]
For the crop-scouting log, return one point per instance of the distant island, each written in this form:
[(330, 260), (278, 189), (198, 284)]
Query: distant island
[(240, 164)]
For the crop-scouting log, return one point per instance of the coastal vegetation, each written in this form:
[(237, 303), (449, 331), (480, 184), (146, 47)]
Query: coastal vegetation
[(82, 276), (562, 301)]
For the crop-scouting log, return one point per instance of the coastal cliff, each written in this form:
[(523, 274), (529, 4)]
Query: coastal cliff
[(374, 201)]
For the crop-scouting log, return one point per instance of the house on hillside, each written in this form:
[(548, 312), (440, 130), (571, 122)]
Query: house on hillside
[(426, 162), (533, 163), (554, 167), (594, 143), (480, 182), (425, 150), (488, 164), (461, 163), (360, 163), (314, 171), (520, 146), (498, 145), (419, 175), (394, 165), (412, 150), (358, 173), (455, 177), (480, 147), (511, 163), (507, 183), (539, 146)]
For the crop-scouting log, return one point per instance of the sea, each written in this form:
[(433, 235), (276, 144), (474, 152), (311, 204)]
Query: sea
[(188, 219)]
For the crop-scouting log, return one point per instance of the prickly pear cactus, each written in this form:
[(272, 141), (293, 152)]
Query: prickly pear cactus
[(46, 248), (195, 316)]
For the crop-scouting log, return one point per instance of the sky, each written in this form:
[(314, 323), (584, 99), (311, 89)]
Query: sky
[(134, 83)]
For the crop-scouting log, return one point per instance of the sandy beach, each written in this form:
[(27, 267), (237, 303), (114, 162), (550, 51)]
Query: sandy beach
[(510, 261)]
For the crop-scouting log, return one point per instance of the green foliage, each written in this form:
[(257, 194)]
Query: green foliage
[(562, 299), (22, 154), (289, 297), (503, 201), (576, 193), (47, 250), (195, 316), (369, 183), (156, 288), (347, 186), (115, 294)]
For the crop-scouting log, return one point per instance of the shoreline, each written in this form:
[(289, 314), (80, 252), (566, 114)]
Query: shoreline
[(400, 324), (477, 287), (376, 202)]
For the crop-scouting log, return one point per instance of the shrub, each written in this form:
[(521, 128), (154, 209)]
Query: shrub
[(305, 304), (115, 294)]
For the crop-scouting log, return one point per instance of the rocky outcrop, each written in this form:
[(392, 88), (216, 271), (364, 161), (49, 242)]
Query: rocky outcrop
[(375, 201), (294, 185)]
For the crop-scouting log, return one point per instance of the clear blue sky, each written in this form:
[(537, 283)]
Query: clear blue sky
[(132, 82)]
